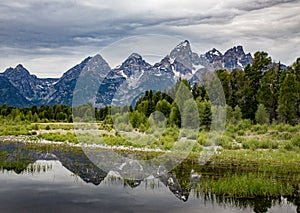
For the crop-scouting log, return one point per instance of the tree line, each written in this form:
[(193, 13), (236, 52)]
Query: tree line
[(59, 113), (264, 91)]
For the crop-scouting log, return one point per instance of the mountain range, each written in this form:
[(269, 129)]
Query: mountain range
[(93, 80)]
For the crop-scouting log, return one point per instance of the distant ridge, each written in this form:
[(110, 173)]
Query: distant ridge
[(133, 76)]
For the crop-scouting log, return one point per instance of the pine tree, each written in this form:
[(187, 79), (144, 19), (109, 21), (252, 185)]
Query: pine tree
[(164, 107), (190, 115), (269, 91), (207, 116), (253, 75), (224, 77), (236, 82), (205, 113), (175, 117), (296, 70), (229, 114), (262, 116), (288, 99), (237, 114)]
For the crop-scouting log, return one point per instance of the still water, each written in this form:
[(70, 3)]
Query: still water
[(51, 180)]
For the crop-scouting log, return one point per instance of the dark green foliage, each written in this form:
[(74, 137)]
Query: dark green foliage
[(59, 113), (175, 117), (261, 115), (237, 114), (224, 77), (288, 99), (268, 92), (164, 107), (205, 114)]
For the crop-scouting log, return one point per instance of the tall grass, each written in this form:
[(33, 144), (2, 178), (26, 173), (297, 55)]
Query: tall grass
[(246, 186), (281, 162)]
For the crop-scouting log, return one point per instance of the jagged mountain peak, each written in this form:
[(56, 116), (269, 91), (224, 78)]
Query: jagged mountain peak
[(183, 44), (135, 56), (96, 59), (239, 50), (19, 71), (19, 66), (133, 63), (214, 52), (233, 58), (96, 64), (183, 54), (183, 48), (75, 71)]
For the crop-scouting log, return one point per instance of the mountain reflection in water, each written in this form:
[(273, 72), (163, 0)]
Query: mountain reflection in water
[(66, 175)]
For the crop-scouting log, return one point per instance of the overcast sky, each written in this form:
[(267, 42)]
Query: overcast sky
[(50, 36)]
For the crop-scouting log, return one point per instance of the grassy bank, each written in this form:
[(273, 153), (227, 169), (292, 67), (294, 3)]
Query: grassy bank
[(242, 146), (246, 186)]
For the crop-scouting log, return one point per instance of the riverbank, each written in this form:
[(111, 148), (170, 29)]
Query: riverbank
[(239, 147), (281, 162)]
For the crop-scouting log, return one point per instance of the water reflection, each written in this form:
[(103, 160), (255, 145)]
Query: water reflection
[(50, 171)]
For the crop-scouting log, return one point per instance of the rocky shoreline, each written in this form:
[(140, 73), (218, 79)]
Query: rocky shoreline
[(28, 139)]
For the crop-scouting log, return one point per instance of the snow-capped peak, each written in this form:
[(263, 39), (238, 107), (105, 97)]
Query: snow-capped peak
[(183, 44), (215, 52), (135, 55)]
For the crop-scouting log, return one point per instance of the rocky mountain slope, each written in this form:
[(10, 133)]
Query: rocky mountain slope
[(94, 81)]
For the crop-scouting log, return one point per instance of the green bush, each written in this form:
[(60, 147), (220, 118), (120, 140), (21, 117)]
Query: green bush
[(274, 133), (289, 146), (202, 138), (284, 136), (240, 139), (260, 129), (197, 148), (244, 124), (227, 143), (264, 143), (58, 137), (35, 127), (250, 144), (296, 140), (286, 128), (241, 132), (167, 142)]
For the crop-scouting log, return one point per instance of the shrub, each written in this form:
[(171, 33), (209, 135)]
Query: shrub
[(250, 144), (268, 144), (260, 129), (202, 138), (296, 140), (167, 142), (289, 146), (240, 139), (241, 132), (284, 136), (286, 128), (197, 148), (244, 124), (262, 116), (35, 127)]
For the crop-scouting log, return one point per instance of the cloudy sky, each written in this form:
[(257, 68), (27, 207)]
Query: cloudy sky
[(50, 36)]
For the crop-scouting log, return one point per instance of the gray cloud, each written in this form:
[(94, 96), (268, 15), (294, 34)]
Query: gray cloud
[(37, 33), (258, 4)]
